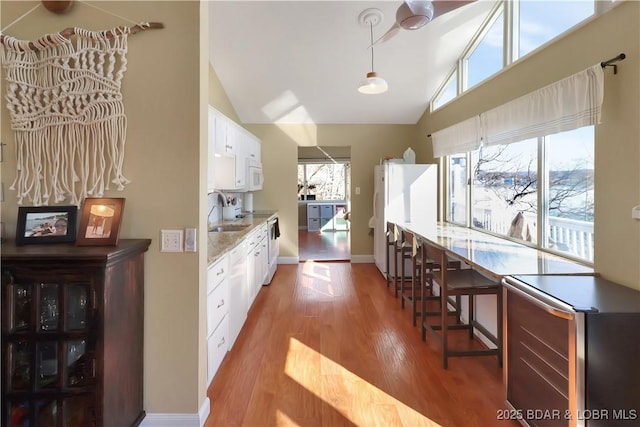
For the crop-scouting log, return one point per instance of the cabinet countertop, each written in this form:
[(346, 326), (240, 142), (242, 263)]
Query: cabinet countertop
[(219, 243)]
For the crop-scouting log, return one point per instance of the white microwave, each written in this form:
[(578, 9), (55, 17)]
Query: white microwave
[(255, 178)]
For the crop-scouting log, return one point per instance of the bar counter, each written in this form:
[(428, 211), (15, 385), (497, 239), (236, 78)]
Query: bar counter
[(492, 255)]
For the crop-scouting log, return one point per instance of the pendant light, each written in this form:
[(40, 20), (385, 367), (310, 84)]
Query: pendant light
[(372, 84)]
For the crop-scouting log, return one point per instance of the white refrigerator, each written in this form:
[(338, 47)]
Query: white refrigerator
[(403, 193)]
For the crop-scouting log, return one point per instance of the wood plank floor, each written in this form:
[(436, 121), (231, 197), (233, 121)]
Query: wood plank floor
[(324, 245), (327, 344)]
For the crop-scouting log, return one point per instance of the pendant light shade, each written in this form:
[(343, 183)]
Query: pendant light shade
[(372, 84)]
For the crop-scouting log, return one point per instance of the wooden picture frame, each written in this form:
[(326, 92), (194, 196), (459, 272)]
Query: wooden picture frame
[(100, 221), (46, 224)]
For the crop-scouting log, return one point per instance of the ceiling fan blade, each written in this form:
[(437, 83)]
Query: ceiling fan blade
[(444, 6), (389, 34)]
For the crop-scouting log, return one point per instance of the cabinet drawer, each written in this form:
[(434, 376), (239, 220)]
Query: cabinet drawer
[(217, 346), (314, 224), (217, 306), (313, 211), (216, 273), (326, 211)]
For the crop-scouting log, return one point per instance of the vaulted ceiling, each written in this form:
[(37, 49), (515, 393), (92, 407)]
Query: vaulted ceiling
[(301, 61)]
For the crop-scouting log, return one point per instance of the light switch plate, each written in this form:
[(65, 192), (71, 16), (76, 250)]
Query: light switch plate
[(171, 240), (190, 240)]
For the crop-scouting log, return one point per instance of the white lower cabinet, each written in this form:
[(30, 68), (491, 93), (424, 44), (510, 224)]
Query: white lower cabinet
[(238, 298), (217, 314), (217, 347)]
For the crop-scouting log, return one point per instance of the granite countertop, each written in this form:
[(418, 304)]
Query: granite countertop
[(219, 243)]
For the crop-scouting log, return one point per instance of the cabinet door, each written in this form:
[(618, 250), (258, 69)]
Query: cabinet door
[(313, 211), (254, 149), (50, 343), (224, 141), (238, 298), (211, 151), (326, 211)]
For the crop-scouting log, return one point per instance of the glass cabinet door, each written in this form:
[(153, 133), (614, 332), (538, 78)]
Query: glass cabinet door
[(19, 356), (22, 301), (76, 309), (47, 365), (49, 306)]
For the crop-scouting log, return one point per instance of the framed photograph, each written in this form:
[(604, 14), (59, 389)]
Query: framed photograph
[(46, 224), (100, 221)]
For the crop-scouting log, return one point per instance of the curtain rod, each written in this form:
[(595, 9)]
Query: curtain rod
[(611, 62)]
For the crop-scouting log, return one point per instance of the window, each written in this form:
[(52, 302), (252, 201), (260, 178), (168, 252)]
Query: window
[(457, 189), (516, 188), (570, 176), (448, 92), (322, 181), (505, 185), (486, 59), (541, 21), (532, 23)]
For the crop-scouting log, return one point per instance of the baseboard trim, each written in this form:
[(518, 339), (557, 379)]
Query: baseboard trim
[(288, 260), (179, 420), (362, 259)]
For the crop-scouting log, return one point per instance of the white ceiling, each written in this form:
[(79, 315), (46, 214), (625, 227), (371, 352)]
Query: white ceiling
[(301, 61)]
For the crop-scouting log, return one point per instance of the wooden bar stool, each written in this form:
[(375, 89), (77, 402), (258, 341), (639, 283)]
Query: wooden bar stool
[(392, 237), (411, 294), (456, 283)]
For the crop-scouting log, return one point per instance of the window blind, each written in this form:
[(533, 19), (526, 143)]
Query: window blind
[(459, 138), (571, 103)]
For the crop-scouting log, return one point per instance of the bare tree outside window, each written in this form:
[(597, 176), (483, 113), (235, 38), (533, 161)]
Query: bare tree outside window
[(322, 181)]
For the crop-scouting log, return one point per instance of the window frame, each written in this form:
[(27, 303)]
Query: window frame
[(511, 42), (304, 164), (543, 193)]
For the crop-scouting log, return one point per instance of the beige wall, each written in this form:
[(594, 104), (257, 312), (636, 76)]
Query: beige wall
[(369, 143), (161, 90), (617, 148)]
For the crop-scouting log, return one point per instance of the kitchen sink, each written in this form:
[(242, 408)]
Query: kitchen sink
[(227, 228)]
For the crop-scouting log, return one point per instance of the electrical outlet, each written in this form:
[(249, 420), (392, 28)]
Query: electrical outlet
[(171, 240), (190, 240)]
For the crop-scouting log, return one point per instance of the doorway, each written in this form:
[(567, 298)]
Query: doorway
[(324, 203)]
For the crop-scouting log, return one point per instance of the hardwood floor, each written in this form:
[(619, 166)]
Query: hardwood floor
[(327, 344), (324, 245)]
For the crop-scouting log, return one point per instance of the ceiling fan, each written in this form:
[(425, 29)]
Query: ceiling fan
[(414, 14)]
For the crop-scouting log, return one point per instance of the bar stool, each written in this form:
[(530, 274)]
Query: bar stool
[(456, 283), (413, 252), (392, 237)]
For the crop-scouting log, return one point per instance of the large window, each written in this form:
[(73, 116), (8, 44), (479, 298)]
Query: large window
[(539, 191), (322, 181)]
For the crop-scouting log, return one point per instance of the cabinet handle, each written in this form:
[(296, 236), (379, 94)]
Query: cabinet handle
[(220, 272), (7, 278), (222, 341), (221, 303)]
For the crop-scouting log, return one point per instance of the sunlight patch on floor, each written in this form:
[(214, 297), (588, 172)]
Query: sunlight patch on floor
[(316, 277), (352, 397)]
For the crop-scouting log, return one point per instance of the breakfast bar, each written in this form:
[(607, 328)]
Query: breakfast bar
[(491, 255)]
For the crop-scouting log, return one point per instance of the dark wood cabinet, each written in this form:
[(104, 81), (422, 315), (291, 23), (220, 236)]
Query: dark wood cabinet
[(72, 335)]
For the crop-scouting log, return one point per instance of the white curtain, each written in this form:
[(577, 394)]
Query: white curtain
[(568, 104), (459, 138)]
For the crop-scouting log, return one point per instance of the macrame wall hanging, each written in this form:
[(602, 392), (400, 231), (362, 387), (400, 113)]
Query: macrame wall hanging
[(65, 103)]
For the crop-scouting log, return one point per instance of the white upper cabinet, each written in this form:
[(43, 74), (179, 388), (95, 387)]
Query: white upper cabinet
[(211, 152), (231, 150)]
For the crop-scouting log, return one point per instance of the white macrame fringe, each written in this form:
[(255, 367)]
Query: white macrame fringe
[(67, 114)]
